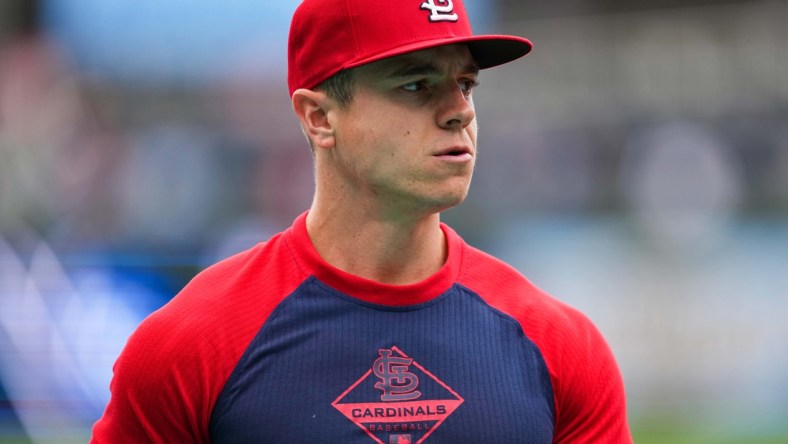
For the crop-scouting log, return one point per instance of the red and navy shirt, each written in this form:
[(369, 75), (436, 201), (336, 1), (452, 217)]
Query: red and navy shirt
[(274, 345)]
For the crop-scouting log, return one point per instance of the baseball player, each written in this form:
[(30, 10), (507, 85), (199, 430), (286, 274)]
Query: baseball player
[(368, 320)]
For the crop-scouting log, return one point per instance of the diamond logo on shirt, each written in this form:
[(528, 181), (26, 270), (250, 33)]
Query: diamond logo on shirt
[(397, 400)]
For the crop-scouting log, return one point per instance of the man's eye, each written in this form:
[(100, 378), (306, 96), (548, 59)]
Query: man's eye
[(468, 85), (416, 86)]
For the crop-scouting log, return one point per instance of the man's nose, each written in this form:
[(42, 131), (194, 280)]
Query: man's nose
[(456, 109)]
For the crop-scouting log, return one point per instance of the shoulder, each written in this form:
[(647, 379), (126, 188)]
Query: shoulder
[(554, 326), (587, 384), (506, 289), (222, 307), (175, 364)]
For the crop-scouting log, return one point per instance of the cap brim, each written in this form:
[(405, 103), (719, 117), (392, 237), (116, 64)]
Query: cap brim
[(487, 50), (494, 50)]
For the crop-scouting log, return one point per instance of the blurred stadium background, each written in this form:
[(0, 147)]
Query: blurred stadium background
[(634, 165)]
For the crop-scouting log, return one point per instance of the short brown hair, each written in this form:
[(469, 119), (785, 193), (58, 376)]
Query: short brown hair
[(339, 88)]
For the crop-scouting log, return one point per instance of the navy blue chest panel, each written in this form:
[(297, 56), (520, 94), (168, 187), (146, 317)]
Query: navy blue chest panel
[(326, 368)]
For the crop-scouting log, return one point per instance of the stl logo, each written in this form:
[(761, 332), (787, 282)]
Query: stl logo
[(397, 401), (440, 10), (396, 382)]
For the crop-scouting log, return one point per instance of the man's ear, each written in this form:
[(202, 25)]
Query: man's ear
[(312, 109)]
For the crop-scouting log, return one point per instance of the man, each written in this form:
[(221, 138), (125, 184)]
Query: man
[(368, 320)]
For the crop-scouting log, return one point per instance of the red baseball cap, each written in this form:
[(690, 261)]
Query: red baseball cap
[(327, 36)]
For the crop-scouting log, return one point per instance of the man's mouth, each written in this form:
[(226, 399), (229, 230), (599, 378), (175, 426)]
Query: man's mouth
[(456, 152)]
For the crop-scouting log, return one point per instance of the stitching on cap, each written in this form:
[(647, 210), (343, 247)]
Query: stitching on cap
[(352, 31)]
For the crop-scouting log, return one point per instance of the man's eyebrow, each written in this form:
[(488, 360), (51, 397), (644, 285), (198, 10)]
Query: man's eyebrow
[(419, 68), (412, 69)]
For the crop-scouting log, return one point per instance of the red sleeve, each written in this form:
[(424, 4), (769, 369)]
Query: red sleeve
[(587, 384), (174, 366), (159, 392), (590, 404)]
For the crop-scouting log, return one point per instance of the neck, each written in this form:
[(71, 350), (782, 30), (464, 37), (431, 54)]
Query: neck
[(397, 250)]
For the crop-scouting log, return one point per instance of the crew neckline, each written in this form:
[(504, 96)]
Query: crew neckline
[(312, 264)]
